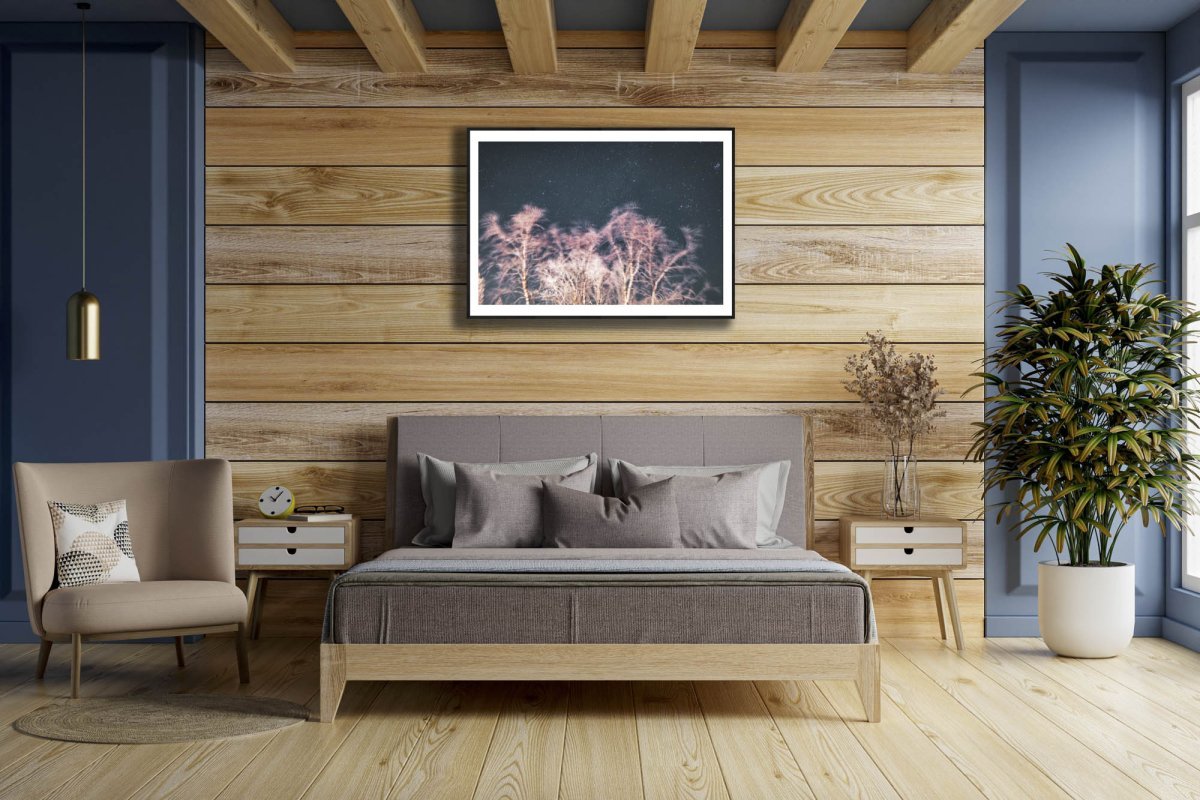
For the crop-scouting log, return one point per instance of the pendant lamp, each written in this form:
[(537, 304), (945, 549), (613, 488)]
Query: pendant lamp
[(83, 307)]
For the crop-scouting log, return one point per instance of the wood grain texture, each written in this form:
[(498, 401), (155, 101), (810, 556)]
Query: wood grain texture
[(927, 254), (516, 372), (391, 30), (529, 33), (319, 254), (670, 724), (437, 314), (671, 30), (595, 79), (437, 136), (602, 746), (253, 30), (858, 195), (604, 40), (765, 254), (949, 489), (297, 195), (525, 756), (295, 431), (810, 30), (904, 607), (947, 30)]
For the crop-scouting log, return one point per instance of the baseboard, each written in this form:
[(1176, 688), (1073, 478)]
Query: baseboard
[(1181, 633), (1027, 627)]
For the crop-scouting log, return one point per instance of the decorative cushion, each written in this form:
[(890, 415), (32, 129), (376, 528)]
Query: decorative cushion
[(772, 488), (498, 510), (437, 489), (92, 543), (647, 517), (717, 511)]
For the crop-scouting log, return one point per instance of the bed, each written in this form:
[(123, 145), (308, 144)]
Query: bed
[(418, 613)]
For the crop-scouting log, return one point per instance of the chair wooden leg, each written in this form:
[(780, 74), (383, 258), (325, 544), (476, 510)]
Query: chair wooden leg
[(76, 663), (253, 587), (43, 658), (242, 658), (179, 659), (869, 687)]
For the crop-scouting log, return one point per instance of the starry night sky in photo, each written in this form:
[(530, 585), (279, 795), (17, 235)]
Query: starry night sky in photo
[(677, 183)]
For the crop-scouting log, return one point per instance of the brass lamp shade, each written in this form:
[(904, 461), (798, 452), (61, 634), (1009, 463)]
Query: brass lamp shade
[(83, 326)]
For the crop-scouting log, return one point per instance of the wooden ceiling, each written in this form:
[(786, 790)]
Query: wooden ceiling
[(255, 32)]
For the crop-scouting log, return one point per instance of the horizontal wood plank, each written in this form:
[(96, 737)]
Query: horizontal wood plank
[(859, 254), (438, 314), (291, 195), (358, 431), (857, 195), (595, 78), (514, 372), (607, 40), (430, 136), (437, 195), (841, 488), (766, 254), (320, 254)]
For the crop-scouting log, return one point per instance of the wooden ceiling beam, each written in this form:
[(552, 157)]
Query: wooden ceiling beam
[(530, 35), (253, 30), (671, 30), (810, 31), (391, 30), (948, 30)]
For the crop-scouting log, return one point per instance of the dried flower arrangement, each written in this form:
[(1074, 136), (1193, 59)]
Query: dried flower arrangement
[(898, 393)]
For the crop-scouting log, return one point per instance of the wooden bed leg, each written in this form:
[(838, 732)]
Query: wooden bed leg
[(868, 681), (333, 679)]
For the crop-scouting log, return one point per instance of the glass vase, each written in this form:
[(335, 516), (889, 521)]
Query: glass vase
[(901, 488)]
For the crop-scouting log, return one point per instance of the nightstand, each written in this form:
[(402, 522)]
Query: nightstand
[(278, 548), (925, 548)]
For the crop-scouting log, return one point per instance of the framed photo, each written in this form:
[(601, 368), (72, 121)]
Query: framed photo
[(601, 223)]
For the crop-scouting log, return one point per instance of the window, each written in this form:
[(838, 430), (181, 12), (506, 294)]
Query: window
[(1191, 284)]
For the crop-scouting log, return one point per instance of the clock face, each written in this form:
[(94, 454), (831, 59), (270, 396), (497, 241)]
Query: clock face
[(276, 501)]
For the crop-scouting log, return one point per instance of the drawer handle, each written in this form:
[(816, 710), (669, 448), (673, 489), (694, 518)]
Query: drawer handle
[(291, 528), (908, 551), (292, 551), (907, 529)]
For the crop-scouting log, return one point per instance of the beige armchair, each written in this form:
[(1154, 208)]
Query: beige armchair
[(181, 524)]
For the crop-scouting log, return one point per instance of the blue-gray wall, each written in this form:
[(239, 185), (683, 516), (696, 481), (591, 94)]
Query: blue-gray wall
[(1074, 154), (143, 399), (1182, 621)]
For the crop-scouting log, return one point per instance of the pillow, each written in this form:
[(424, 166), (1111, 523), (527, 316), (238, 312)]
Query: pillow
[(646, 518), (717, 511), (93, 543), (772, 487), (437, 489), (498, 510)]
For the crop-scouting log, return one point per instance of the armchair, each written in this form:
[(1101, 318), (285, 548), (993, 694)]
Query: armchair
[(181, 524)]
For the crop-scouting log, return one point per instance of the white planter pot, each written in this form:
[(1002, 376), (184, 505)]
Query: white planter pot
[(1086, 612)]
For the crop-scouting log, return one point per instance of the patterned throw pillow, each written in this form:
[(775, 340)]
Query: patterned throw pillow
[(93, 543)]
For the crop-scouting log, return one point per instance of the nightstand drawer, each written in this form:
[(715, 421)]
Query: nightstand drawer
[(298, 557), (908, 534), (908, 556), (291, 534)]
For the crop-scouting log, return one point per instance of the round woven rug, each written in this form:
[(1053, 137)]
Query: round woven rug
[(160, 718)]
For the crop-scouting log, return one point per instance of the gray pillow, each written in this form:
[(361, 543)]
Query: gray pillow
[(498, 510), (437, 489), (648, 517), (772, 489), (718, 511)]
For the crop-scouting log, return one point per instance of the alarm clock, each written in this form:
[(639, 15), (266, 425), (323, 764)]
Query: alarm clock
[(276, 502)]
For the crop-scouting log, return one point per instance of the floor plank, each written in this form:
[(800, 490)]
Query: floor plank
[(526, 753), (678, 759), (601, 746)]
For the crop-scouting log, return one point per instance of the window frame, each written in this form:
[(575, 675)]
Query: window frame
[(1190, 261)]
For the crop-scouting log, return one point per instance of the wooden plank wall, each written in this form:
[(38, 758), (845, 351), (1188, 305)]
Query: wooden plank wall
[(336, 257)]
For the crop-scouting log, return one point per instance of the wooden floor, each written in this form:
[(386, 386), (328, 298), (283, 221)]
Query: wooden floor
[(1004, 720)]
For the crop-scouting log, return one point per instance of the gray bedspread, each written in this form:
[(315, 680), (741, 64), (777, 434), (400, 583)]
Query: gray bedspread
[(543, 595)]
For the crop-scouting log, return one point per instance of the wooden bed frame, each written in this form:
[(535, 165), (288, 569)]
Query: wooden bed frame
[(598, 662)]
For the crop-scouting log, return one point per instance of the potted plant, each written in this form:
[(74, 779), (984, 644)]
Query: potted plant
[(1086, 426), (899, 401)]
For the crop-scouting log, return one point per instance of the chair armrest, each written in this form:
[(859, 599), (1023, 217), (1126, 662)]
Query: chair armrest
[(200, 512)]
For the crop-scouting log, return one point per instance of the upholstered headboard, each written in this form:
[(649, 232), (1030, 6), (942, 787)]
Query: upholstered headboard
[(661, 440)]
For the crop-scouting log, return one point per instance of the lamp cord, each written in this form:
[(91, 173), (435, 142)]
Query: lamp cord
[(83, 144)]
